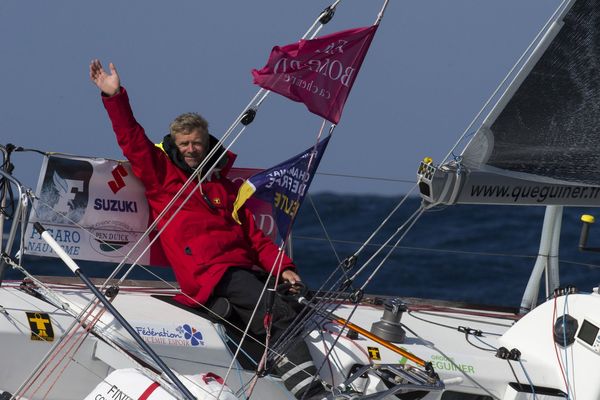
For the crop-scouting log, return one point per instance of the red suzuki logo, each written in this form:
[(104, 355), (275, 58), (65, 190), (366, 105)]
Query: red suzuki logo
[(118, 173)]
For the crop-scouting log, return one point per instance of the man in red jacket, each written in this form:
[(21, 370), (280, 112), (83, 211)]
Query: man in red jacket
[(210, 253)]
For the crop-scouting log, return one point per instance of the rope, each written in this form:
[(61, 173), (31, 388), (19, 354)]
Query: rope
[(562, 372), (529, 380), (565, 313)]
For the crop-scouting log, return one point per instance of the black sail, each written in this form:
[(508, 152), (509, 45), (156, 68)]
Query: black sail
[(551, 125)]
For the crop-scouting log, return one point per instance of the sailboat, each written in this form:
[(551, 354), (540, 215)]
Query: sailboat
[(533, 144)]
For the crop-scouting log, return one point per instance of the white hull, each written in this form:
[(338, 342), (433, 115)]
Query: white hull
[(71, 374)]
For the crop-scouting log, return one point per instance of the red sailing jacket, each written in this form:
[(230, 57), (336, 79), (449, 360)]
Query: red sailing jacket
[(201, 242)]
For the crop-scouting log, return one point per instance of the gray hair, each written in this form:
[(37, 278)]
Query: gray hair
[(187, 123)]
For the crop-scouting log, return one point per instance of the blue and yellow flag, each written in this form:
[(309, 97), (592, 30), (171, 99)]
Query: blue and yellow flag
[(283, 186)]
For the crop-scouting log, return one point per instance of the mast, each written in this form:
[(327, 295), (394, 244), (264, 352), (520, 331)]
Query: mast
[(547, 259)]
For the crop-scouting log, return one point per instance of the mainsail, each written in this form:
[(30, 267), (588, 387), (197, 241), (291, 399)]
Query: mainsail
[(539, 144)]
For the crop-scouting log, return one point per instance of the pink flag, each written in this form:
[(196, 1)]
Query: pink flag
[(318, 72)]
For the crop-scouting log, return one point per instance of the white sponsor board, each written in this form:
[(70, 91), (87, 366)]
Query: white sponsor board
[(93, 207)]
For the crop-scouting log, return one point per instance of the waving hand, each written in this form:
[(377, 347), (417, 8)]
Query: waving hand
[(109, 84)]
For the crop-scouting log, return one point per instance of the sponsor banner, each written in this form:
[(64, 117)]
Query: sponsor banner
[(96, 210), (184, 335), (489, 187)]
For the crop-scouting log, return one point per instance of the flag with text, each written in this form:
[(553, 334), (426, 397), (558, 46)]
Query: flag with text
[(283, 186), (318, 72)]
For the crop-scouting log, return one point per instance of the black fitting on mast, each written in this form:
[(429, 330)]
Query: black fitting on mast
[(327, 15), (349, 262), (248, 116), (111, 292), (346, 284), (357, 296)]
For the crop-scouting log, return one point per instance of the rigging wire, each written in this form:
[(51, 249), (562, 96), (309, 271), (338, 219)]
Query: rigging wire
[(373, 178), (324, 302), (299, 324), (562, 372), (333, 174), (514, 373), (74, 347), (276, 266), (564, 332), (438, 250), (385, 221), (489, 348), (409, 221), (415, 218), (328, 238), (355, 307), (454, 328)]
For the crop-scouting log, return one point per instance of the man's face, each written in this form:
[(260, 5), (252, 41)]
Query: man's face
[(193, 147)]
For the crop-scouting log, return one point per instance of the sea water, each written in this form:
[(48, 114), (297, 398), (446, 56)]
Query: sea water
[(477, 254)]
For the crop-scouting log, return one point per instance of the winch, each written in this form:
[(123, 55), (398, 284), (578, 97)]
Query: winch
[(389, 327)]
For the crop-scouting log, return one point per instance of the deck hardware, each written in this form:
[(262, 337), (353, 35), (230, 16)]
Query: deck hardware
[(389, 327), (248, 116)]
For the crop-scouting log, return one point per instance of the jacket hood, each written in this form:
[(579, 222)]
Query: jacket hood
[(222, 168)]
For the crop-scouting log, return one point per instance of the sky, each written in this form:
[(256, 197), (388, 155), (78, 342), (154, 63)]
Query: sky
[(430, 68)]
